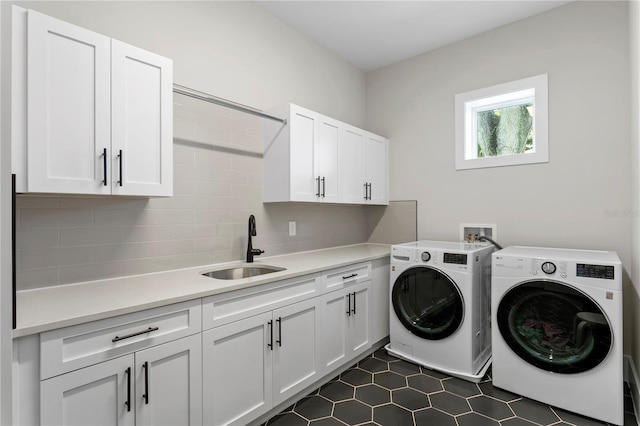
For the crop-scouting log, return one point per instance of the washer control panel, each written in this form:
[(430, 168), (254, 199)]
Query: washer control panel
[(425, 256), (546, 267)]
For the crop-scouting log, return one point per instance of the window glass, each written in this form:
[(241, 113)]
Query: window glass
[(502, 125)]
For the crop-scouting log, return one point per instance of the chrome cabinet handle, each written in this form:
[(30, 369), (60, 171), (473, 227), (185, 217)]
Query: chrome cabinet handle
[(323, 187), (318, 192), (128, 336), (104, 166)]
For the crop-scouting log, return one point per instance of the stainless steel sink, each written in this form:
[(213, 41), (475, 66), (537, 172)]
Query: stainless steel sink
[(242, 272)]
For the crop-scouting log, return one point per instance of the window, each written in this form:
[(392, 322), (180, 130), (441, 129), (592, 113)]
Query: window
[(502, 125)]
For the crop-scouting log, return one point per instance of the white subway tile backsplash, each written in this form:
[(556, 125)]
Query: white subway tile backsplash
[(217, 185), (50, 257)]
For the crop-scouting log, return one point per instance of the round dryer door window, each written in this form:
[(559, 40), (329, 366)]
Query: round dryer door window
[(427, 302), (554, 327)]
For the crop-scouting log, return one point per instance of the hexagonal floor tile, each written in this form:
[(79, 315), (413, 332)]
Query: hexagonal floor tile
[(403, 367), (352, 412), (431, 417), (575, 418), (373, 395), (425, 384), (357, 377), (487, 388), (373, 365), (517, 421), (410, 399), (473, 419), (384, 355), (329, 421), (287, 419), (449, 403), (392, 415), (337, 391), (433, 373), (314, 407), (461, 387), (490, 407), (390, 380), (534, 411)]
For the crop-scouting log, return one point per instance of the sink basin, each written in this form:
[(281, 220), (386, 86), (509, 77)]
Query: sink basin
[(242, 272)]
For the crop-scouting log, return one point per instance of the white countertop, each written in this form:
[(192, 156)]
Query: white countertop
[(54, 307)]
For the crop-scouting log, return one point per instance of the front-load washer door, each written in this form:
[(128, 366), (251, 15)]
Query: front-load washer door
[(554, 327), (427, 303)]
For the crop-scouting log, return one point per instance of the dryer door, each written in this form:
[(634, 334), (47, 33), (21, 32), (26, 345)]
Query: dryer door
[(427, 303), (554, 326)]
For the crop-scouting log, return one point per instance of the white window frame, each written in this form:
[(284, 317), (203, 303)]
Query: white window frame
[(467, 105)]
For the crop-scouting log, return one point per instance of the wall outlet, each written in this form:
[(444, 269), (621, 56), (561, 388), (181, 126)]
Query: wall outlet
[(470, 231), (292, 228)]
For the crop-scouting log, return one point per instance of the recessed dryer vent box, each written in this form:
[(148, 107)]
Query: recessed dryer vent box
[(470, 231)]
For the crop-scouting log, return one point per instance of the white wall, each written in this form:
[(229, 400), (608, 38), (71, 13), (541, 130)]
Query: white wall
[(6, 317), (232, 49), (566, 202), (634, 55)]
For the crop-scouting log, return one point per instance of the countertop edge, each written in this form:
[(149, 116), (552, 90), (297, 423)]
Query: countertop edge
[(356, 253)]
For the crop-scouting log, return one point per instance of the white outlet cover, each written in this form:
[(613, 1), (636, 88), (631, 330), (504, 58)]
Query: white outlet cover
[(292, 228)]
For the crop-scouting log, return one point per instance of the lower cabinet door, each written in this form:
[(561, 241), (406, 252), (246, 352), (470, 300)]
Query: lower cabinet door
[(359, 330), (169, 383), (237, 357), (296, 352), (334, 329), (101, 394)]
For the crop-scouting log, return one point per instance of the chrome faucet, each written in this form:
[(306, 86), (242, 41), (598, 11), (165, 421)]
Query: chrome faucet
[(252, 233)]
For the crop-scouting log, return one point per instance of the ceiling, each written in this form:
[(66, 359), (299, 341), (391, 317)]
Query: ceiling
[(372, 34)]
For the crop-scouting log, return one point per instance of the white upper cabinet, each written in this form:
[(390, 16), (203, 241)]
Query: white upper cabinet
[(142, 116), (376, 166), (315, 158), (91, 115)]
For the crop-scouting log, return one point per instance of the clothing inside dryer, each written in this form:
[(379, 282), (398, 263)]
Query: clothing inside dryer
[(427, 303), (554, 327)]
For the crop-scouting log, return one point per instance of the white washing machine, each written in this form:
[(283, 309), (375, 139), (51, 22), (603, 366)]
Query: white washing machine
[(440, 306), (557, 328)]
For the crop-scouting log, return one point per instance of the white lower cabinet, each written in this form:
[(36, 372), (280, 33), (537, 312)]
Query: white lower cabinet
[(156, 386), (253, 364), (345, 324)]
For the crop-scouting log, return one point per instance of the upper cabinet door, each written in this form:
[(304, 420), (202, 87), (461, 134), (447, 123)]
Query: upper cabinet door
[(376, 166), (327, 154), (353, 163), (142, 122), (68, 105), (305, 181)]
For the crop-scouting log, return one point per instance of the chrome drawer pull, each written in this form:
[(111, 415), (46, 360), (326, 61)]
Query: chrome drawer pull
[(349, 276), (148, 330)]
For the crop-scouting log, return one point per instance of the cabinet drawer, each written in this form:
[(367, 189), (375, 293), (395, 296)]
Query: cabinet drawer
[(341, 277), (228, 307), (78, 346)]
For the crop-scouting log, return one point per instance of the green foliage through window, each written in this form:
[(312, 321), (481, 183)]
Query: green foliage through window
[(505, 131)]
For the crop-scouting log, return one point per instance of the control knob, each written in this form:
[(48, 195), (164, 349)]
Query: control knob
[(548, 268), (425, 256)]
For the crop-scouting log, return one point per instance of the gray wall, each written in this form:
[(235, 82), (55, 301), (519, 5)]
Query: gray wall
[(234, 50), (581, 197)]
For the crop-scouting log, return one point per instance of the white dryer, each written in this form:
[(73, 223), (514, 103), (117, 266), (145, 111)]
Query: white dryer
[(557, 328), (440, 306)]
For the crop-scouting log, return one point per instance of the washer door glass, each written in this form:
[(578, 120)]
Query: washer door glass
[(554, 327), (427, 303)]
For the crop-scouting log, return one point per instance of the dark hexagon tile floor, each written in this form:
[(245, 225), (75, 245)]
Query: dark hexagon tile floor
[(382, 390)]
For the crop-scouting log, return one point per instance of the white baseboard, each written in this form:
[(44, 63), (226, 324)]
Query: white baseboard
[(631, 377)]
